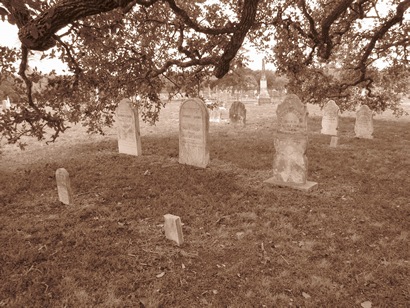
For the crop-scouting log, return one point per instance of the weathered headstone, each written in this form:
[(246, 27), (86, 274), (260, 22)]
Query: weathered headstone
[(65, 193), (173, 228), (129, 139), (363, 127), (330, 119), (237, 113), (194, 133), (290, 163), (334, 141), (215, 115)]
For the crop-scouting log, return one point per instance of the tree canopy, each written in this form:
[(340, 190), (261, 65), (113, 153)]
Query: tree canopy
[(348, 50)]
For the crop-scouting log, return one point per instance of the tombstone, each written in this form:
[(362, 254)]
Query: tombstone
[(334, 141), (264, 97), (237, 113), (65, 194), (330, 119), (129, 139), (363, 127), (290, 162), (215, 115), (194, 133), (173, 228)]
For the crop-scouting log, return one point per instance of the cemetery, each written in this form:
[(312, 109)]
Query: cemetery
[(162, 153), (155, 230)]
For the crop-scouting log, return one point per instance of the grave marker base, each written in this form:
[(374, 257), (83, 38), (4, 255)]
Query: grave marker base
[(308, 186), (264, 100)]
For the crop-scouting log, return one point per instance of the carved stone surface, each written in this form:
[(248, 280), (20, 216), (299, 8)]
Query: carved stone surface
[(129, 138), (330, 119), (363, 127), (237, 113), (290, 162), (65, 193), (194, 133), (173, 228)]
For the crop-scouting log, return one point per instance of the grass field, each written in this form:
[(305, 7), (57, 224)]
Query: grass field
[(246, 244)]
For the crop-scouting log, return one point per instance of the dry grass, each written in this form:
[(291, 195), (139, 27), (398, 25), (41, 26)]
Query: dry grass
[(247, 244)]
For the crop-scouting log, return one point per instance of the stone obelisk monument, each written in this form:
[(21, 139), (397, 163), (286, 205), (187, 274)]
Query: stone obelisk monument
[(264, 97)]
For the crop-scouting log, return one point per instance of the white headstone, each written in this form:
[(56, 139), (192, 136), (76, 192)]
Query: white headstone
[(330, 119), (290, 163), (173, 228), (194, 133), (65, 193), (363, 127), (334, 141), (215, 115), (129, 139)]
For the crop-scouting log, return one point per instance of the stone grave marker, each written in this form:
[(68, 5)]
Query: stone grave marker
[(334, 141), (129, 138), (363, 127), (65, 193), (330, 119), (290, 163), (215, 115), (237, 113), (194, 133), (173, 228)]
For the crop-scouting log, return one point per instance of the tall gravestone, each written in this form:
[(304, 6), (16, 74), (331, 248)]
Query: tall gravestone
[(65, 193), (330, 119), (363, 127), (194, 133), (237, 113), (264, 97), (129, 138), (290, 163)]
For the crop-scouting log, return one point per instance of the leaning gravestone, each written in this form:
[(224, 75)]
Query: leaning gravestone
[(363, 127), (173, 228), (194, 133), (237, 113), (290, 163), (129, 139), (330, 119), (65, 194)]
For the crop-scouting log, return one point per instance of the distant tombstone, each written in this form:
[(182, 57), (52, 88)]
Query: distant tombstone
[(65, 194), (173, 228), (215, 115), (129, 139), (237, 113), (194, 133), (364, 123), (290, 163), (330, 119)]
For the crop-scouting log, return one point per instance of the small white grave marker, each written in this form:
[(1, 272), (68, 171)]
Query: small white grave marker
[(334, 141), (173, 228), (65, 194)]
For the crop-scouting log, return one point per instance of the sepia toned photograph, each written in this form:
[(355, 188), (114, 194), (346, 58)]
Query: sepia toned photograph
[(182, 153)]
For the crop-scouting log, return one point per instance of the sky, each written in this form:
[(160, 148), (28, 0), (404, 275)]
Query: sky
[(10, 39)]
